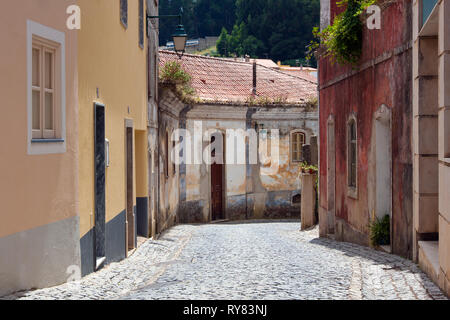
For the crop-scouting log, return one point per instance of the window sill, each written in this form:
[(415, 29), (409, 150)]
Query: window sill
[(352, 193), (445, 161), (47, 140)]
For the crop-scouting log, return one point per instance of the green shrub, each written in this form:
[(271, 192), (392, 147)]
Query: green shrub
[(172, 72), (380, 231), (342, 40)]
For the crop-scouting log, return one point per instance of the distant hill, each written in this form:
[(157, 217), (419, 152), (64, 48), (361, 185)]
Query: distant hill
[(201, 18), (275, 29)]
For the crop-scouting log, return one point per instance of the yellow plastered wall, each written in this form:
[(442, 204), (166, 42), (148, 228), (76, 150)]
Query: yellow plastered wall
[(111, 60), (35, 190)]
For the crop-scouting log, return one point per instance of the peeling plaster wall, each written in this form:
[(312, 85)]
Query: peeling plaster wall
[(152, 121), (383, 77), (169, 173), (250, 192)]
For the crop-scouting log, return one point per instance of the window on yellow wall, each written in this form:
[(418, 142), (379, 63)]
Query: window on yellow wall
[(44, 90), (124, 12), (297, 142), (141, 23)]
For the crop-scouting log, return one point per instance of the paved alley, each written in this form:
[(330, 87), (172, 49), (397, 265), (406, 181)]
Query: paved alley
[(253, 260)]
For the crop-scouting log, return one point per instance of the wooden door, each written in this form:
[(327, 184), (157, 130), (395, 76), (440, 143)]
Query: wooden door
[(99, 185), (217, 191), (129, 185)]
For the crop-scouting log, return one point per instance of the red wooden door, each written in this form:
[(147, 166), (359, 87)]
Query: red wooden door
[(217, 191)]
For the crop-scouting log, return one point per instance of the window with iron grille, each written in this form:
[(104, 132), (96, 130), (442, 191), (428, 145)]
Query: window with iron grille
[(124, 12)]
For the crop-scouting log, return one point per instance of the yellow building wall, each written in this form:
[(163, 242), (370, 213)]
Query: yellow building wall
[(111, 60), (35, 189), (38, 193)]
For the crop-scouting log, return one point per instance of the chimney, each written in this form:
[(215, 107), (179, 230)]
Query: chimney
[(254, 77)]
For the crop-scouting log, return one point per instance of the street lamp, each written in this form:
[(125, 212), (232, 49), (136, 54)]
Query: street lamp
[(179, 37)]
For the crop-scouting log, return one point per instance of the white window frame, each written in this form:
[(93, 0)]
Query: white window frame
[(57, 145)]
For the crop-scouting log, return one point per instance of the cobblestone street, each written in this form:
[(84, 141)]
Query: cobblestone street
[(257, 260)]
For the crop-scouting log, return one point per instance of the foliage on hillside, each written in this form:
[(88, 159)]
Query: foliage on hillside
[(275, 29)]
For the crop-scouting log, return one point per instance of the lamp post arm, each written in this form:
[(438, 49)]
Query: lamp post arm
[(179, 16)]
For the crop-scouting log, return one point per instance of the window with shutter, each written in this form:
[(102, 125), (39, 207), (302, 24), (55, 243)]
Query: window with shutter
[(124, 12), (297, 142), (141, 23)]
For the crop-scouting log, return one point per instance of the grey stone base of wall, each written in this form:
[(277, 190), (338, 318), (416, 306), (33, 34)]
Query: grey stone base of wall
[(276, 205), (236, 208), (346, 233), (39, 257), (115, 244), (115, 238), (142, 218), (191, 212), (87, 253)]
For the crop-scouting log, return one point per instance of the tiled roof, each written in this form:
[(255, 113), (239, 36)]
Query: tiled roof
[(300, 73), (267, 63), (225, 80)]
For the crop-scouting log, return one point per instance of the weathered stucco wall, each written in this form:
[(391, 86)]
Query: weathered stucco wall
[(250, 190), (152, 125), (169, 173), (382, 78)]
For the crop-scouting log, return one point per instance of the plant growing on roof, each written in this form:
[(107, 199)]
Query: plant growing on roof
[(311, 103), (173, 73)]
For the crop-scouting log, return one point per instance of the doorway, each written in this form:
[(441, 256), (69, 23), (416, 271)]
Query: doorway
[(383, 163), (99, 185), (217, 174), (331, 175), (131, 219)]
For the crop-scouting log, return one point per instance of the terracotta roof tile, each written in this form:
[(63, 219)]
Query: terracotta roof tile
[(225, 80)]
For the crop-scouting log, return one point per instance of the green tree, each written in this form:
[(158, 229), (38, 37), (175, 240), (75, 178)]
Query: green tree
[(276, 29), (222, 43)]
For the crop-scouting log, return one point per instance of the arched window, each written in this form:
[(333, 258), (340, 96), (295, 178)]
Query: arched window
[(297, 142), (352, 153)]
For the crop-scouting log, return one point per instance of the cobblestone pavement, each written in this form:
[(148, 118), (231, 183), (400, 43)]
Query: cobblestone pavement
[(257, 260)]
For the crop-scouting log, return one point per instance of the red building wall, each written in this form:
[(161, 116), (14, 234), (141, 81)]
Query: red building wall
[(384, 76)]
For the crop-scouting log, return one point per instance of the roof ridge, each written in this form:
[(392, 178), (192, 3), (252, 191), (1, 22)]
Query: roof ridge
[(240, 62), (206, 57), (287, 74)]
